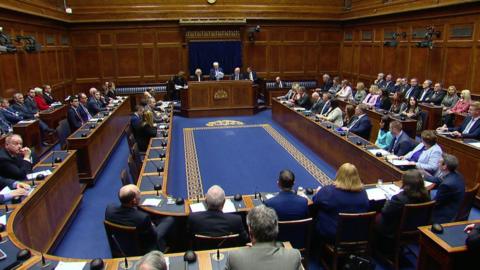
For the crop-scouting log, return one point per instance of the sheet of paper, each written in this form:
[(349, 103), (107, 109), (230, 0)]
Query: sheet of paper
[(299, 109), (400, 162), (375, 194), (427, 184), (197, 207), (26, 121), (5, 190), (3, 219), (474, 144), (31, 176), (375, 151), (30, 191), (152, 202), (229, 207), (93, 120), (70, 266), (269, 196)]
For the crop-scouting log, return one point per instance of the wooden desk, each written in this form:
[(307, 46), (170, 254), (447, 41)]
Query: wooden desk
[(30, 133), (218, 98), (39, 221), (53, 116), (94, 149), (333, 148), (435, 253), (434, 119), (273, 93)]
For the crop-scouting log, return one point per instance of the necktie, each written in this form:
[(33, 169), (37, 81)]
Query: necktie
[(78, 115), (409, 92), (394, 142), (353, 122), (323, 108), (423, 95), (469, 126)]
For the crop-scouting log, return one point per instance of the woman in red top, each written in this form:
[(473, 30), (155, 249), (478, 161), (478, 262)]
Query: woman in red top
[(41, 103), (462, 106)]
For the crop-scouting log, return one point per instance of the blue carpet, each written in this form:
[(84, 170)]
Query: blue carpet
[(86, 236)]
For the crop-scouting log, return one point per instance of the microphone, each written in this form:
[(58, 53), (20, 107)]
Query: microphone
[(44, 262), (160, 154), (219, 246), (6, 209), (53, 159), (159, 169), (156, 187), (255, 193), (121, 250)]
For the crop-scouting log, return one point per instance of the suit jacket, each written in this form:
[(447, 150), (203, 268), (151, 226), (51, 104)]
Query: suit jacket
[(31, 104), (195, 78), (84, 113), (94, 106), (326, 86), (23, 110), (216, 223), (74, 119), (144, 134), (429, 158), (48, 98), (289, 206), (129, 216), (135, 121), (317, 106), (254, 76), (390, 86), (240, 76), (436, 97), (5, 126), (265, 256), (13, 167), (212, 73), (11, 116), (304, 102), (426, 93), (324, 107), (412, 91), (335, 116), (449, 197), (402, 145), (362, 127), (473, 133)]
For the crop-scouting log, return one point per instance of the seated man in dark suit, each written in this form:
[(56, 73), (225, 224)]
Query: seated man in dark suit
[(16, 189), (470, 128), (75, 120), (5, 126), (214, 222), (136, 117), (264, 253), (15, 160), (278, 83), (197, 76), (94, 104), (27, 113), (47, 94), (450, 191), (401, 143), (30, 101), (412, 90), (287, 204), (426, 91), (317, 103), (127, 214), (237, 75), (437, 96), (361, 125), (10, 115), (327, 83), (302, 99), (389, 84), (82, 107), (251, 75), (216, 73)]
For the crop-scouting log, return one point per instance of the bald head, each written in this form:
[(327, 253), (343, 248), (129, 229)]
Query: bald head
[(215, 198), (92, 91), (18, 97), (129, 195)]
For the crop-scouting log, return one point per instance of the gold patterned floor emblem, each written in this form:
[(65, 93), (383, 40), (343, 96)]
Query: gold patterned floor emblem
[(224, 123), (194, 178)]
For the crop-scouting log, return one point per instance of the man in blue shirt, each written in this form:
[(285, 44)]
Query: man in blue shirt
[(287, 204)]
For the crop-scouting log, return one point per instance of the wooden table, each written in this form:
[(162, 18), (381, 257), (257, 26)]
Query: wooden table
[(218, 98), (94, 149), (435, 253), (332, 147), (434, 119), (53, 116)]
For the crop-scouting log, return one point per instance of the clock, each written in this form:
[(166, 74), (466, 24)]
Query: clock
[(211, 2)]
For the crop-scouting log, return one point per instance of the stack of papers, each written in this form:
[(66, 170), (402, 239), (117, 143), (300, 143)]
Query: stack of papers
[(5, 190), (152, 202), (299, 109), (375, 151), (197, 207), (268, 196), (375, 194), (3, 220), (474, 144), (228, 207), (32, 176), (70, 266), (390, 190), (400, 162), (26, 121)]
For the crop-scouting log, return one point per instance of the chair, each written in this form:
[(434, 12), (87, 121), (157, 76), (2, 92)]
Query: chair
[(353, 236), (137, 156), (424, 116), (467, 203), (134, 170), (124, 177), (413, 216), (203, 242), (63, 131), (298, 233), (127, 237), (130, 140)]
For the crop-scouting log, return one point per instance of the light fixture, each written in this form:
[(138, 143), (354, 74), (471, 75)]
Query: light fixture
[(68, 10), (6, 45), (251, 33), (428, 39), (394, 41), (29, 43)]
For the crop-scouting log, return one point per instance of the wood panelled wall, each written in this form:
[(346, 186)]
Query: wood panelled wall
[(454, 59), (149, 53), (52, 65)]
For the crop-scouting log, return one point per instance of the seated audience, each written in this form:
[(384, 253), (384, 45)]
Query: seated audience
[(214, 222), (426, 155), (470, 128), (462, 106), (361, 125), (450, 190), (145, 131), (401, 143), (40, 100), (413, 191), (153, 260), (384, 137), (197, 76), (473, 238), (27, 112), (426, 91), (327, 83), (413, 111), (383, 102), (371, 99), (449, 100), (287, 204), (127, 214), (47, 94), (345, 92), (95, 104), (278, 82), (302, 99), (413, 90), (334, 114), (237, 75), (15, 160), (345, 195), (348, 115), (264, 253), (16, 189), (335, 86), (398, 104), (437, 96), (75, 120), (360, 94)]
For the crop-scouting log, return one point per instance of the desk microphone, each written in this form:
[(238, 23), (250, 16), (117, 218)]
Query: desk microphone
[(255, 193), (159, 169), (156, 187), (160, 154), (121, 251), (44, 262), (53, 159)]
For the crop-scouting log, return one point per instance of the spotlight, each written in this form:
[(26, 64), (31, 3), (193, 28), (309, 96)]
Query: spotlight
[(394, 41), (252, 31), (68, 10), (30, 44), (6, 43)]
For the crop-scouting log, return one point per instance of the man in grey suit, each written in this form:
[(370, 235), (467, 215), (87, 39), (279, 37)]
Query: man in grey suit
[(264, 254)]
